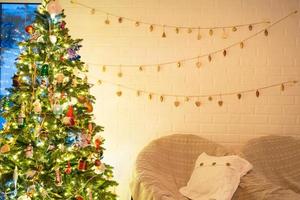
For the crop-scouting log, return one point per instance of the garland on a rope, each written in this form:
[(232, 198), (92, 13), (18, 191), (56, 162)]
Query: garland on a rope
[(164, 28), (198, 99), (199, 59)]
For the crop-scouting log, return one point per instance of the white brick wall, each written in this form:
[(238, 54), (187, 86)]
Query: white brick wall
[(131, 122)]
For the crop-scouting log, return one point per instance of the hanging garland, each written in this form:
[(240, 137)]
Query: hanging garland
[(198, 59), (197, 99), (164, 27)]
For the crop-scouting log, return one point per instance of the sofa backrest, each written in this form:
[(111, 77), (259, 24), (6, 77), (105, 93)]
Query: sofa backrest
[(277, 158)]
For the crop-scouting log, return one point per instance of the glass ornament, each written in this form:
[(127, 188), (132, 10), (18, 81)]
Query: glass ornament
[(45, 70)]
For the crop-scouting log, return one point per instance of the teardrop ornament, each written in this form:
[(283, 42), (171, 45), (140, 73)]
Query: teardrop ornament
[(257, 93), (120, 20), (211, 32), (224, 53), (150, 96), (234, 29), (241, 45), (178, 64), (282, 87), (158, 68), (209, 58), (164, 35), (161, 98), (103, 68), (239, 96), (250, 27), (151, 28), (266, 32)]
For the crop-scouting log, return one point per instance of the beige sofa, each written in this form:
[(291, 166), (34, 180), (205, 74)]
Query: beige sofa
[(165, 165)]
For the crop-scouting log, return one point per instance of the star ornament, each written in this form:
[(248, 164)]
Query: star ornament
[(54, 8)]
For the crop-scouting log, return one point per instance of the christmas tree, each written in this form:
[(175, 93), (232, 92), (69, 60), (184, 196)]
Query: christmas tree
[(50, 148)]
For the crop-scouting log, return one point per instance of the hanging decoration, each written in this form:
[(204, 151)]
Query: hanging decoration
[(69, 119), (16, 80), (82, 164), (53, 39), (29, 151), (209, 56), (58, 177), (29, 29), (37, 107), (54, 8), (198, 100), (164, 28), (5, 149), (68, 170)]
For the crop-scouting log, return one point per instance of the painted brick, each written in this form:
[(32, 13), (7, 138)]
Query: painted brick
[(131, 123), (255, 119), (268, 109)]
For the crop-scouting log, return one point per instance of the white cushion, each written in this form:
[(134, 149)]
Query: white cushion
[(215, 178)]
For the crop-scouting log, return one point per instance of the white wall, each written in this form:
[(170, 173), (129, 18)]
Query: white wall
[(131, 122)]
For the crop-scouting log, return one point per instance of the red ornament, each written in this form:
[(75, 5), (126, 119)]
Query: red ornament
[(82, 165), (29, 29), (98, 143), (79, 198), (63, 25), (70, 112), (69, 168), (70, 116), (97, 162)]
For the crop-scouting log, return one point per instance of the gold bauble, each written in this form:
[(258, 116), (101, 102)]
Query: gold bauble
[(81, 99), (89, 106), (119, 93), (5, 148)]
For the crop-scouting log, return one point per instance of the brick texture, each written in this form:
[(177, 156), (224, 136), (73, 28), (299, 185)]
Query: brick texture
[(131, 122)]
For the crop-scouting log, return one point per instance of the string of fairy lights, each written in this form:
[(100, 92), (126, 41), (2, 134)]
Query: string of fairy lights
[(165, 28), (198, 59)]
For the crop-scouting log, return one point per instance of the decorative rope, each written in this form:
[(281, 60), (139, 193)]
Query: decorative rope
[(164, 26), (208, 55)]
